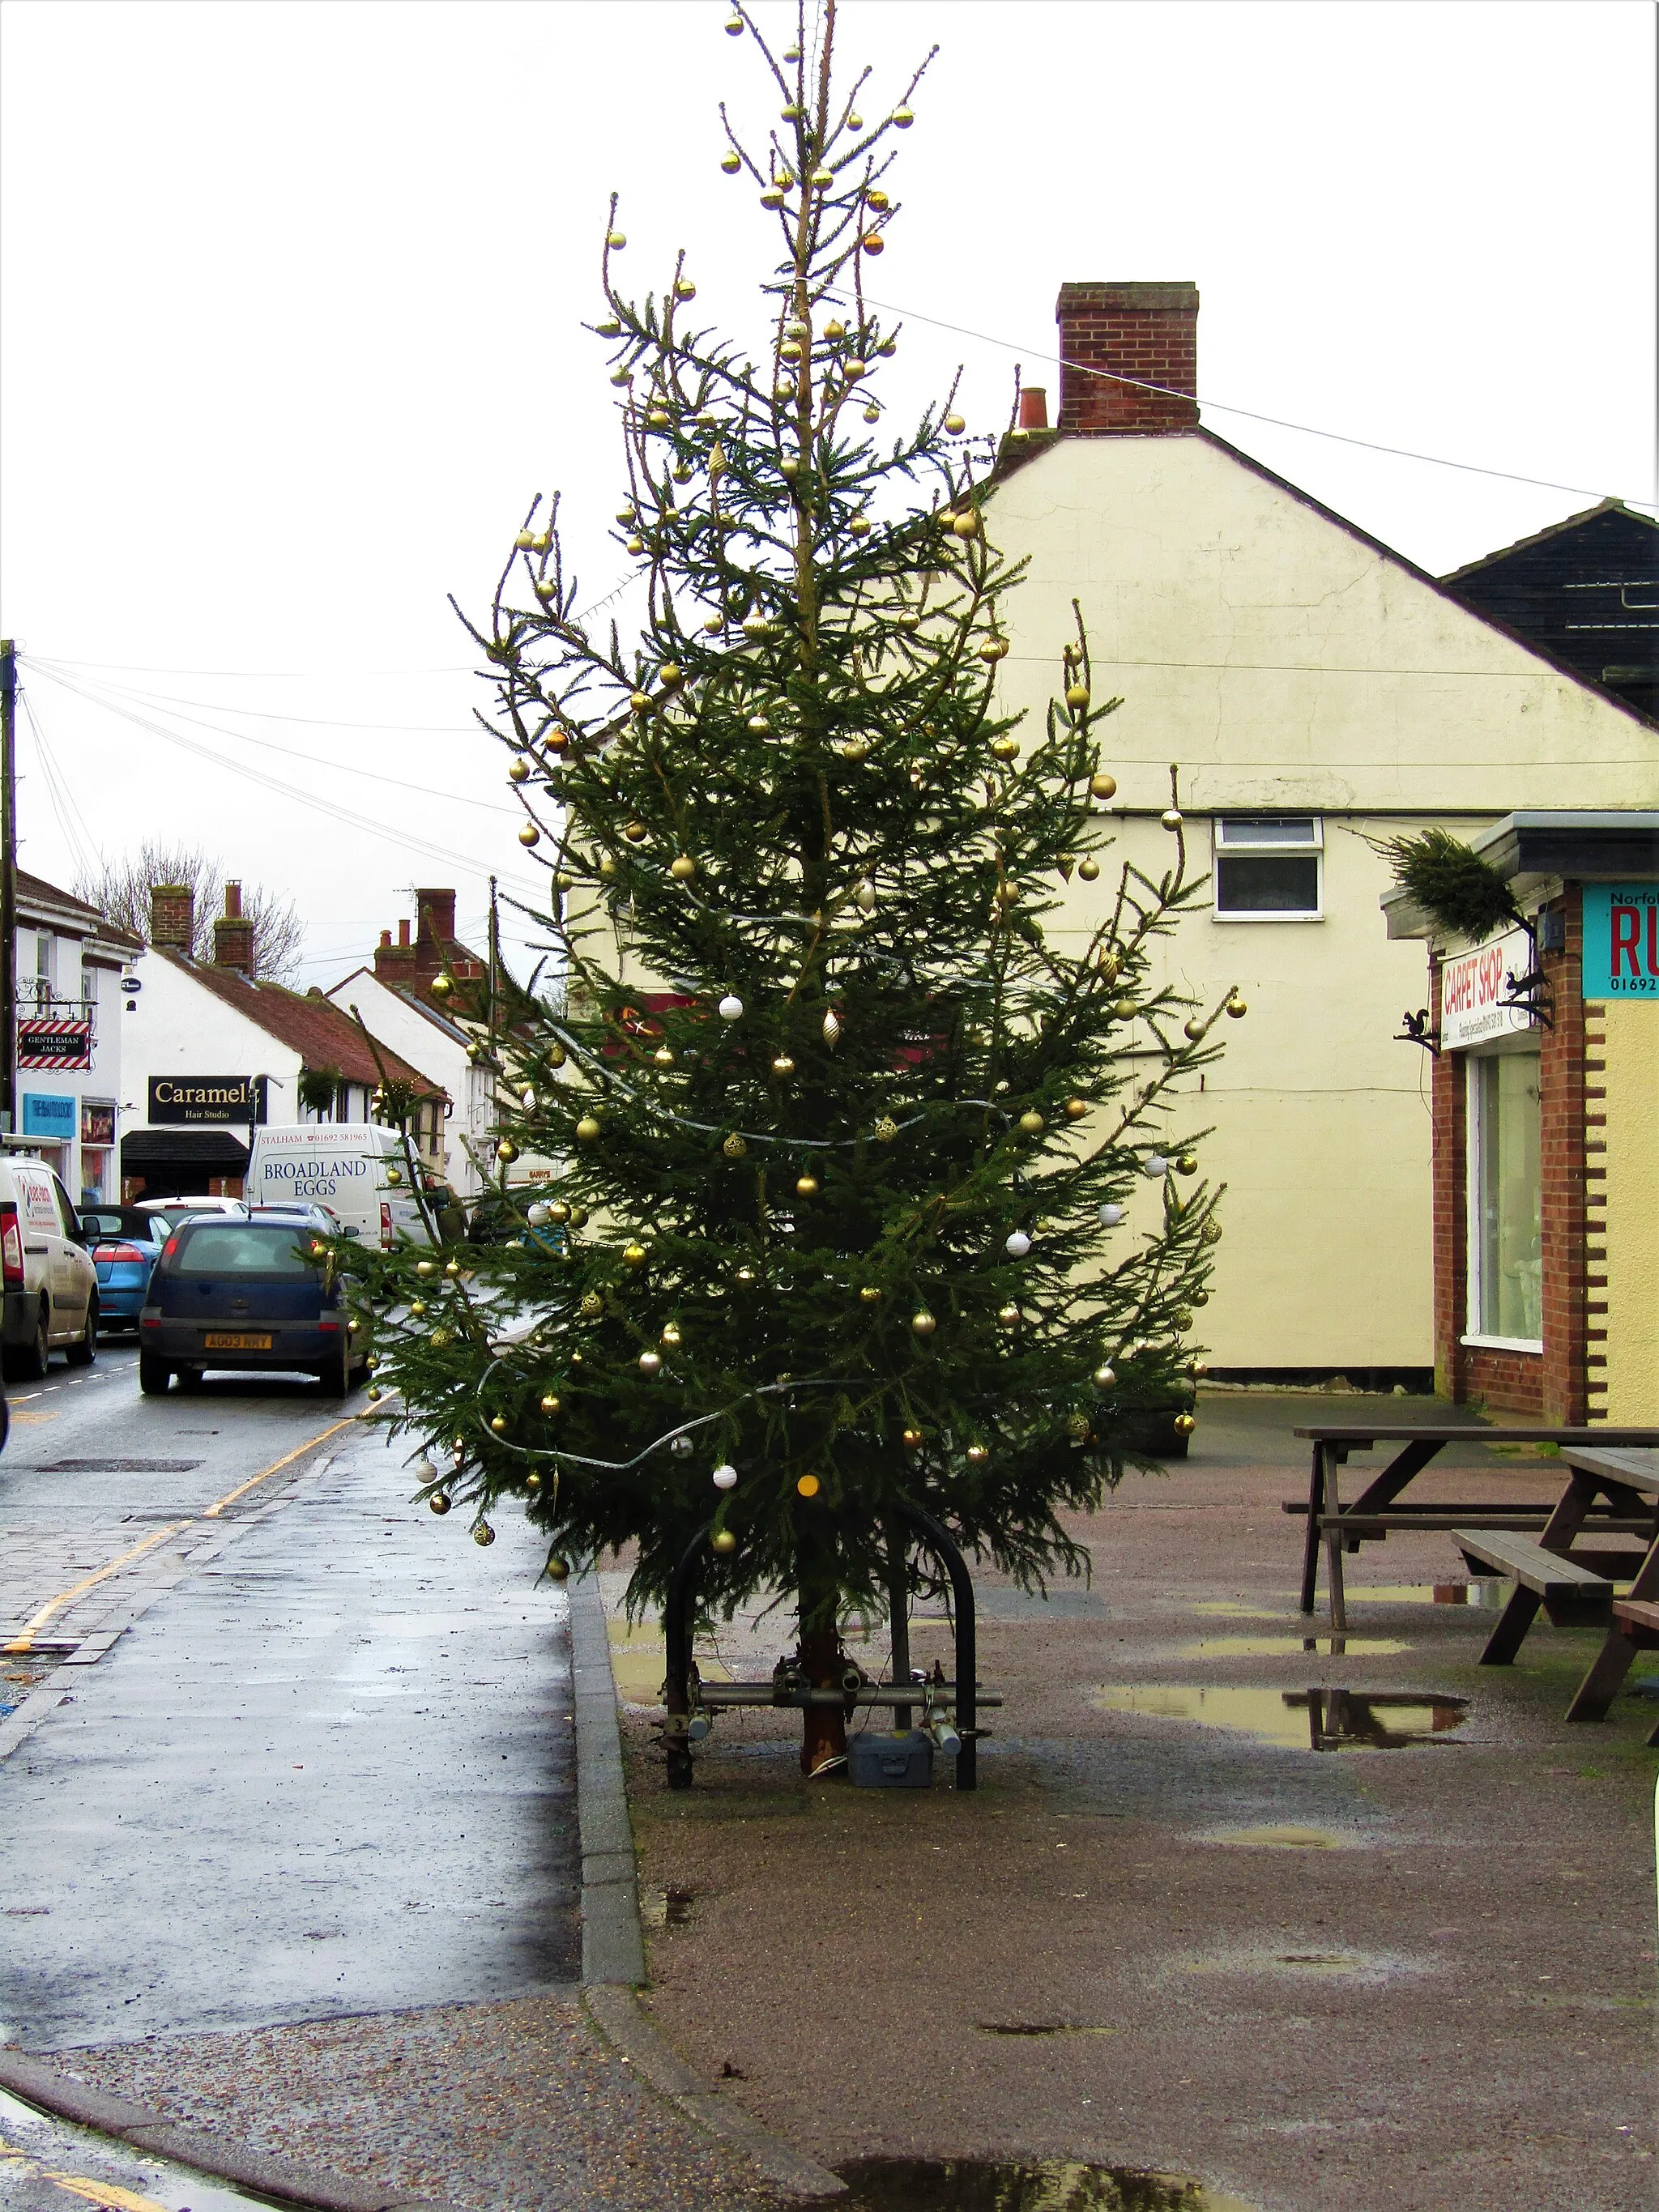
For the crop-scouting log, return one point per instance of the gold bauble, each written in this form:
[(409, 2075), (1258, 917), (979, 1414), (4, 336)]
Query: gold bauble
[(859, 526), (498, 1422), (663, 1056), (822, 179), (1005, 749), (902, 119), (1088, 867), (914, 1439), (593, 1306), (923, 1323), (1193, 1027), (558, 1211), (650, 1363), (872, 413), (834, 331), (451, 1267), (955, 425), (782, 1064), (519, 772), (966, 525), (439, 1338), (670, 673), (978, 1456), (684, 288), (635, 1256), (724, 1542), (856, 749), (683, 867), (524, 541), (577, 1216), (441, 985), (734, 30), (1008, 1317), (615, 240), (426, 1266), (1076, 696), (771, 197), (806, 1186), (730, 162), (586, 1129), (745, 1274), (886, 1129), (1104, 1378), (1184, 1424), (439, 1501), (1199, 1298), (1102, 786), (483, 1533), (552, 1403), (1171, 818), (809, 1485), (1210, 1232), (1031, 1121), (635, 545), (876, 199), (1077, 1427), (532, 1482), (832, 1026), (1076, 1109), (557, 1569), (870, 1295), (507, 1151), (394, 1175), (670, 1335), (734, 1147), (635, 832), (1237, 1007), (1188, 1164), (1125, 1008)]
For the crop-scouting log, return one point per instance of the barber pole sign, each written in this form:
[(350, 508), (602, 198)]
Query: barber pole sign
[(45, 1041)]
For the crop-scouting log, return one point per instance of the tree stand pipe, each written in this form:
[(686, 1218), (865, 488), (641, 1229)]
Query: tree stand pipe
[(937, 1541), (898, 1618), (676, 1635)]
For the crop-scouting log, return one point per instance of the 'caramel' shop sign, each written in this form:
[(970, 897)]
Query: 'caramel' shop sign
[(1473, 989)]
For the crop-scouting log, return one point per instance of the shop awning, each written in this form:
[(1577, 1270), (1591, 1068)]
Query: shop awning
[(211, 1152)]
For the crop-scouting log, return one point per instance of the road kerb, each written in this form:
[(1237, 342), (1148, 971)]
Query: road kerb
[(613, 1947), (153, 2133)]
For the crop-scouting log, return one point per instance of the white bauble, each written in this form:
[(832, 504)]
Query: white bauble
[(1110, 1216), (725, 1477), (1155, 1164), (1017, 1245), (731, 1007)]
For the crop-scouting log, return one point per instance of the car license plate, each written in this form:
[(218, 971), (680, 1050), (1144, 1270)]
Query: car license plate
[(231, 1339)]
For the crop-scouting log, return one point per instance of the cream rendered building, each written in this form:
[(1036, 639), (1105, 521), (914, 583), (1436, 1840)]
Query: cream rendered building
[(1321, 695)]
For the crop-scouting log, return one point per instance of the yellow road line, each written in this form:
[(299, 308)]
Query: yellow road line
[(103, 2193), (23, 1641), (276, 1465)]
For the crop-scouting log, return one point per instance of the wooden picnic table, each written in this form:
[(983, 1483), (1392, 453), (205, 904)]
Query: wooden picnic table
[(1617, 1475), (1381, 1506)]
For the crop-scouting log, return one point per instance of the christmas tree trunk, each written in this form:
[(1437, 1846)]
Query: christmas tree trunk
[(846, 1125)]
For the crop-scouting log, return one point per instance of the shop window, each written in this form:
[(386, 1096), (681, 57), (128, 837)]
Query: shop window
[(1505, 1202), (1267, 867)]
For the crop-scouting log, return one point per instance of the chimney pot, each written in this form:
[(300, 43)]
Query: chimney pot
[(1033, 407), (403, 934), (233, 902), (1118, 340), (386, 937)]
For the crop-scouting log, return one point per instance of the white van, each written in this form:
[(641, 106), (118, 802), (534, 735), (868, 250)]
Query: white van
[(51, 1285), (356, 1168)]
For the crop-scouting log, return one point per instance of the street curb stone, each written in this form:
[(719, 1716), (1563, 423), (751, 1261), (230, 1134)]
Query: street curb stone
[(613, 1944), (52, 2092), (613, 1947)]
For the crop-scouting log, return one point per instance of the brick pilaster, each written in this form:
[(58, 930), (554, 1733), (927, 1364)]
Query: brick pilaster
[(1564, 1171)]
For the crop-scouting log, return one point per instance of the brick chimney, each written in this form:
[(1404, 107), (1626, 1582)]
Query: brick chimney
[(173, 917), (233, 934), (1141, 333), (436, 913)]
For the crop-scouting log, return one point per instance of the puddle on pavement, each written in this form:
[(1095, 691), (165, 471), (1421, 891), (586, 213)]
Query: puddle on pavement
[(639, 1662), (666, 1908), (1038, 2028), (1489, 1595), (1279, 1839), (1305, 1720), (1230, 1608), (972, 2185), (1263, 1647)]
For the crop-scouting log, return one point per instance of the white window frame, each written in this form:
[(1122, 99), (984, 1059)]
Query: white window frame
[(1472, 1335), (1296, 847)]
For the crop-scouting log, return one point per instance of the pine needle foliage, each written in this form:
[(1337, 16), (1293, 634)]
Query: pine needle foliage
[(822, 1054), (1452, 884)]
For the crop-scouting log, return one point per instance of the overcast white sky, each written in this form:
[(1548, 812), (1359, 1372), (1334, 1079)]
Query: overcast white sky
[(293, 297)]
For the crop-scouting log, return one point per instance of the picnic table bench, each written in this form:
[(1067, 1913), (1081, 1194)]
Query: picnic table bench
[(1612, 1489), (1381, 1505)]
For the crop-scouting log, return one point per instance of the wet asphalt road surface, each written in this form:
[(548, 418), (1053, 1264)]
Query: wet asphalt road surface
[(325, 1765), (47, 2166)]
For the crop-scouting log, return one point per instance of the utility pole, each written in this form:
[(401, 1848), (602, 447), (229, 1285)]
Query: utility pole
[(7, 884), (494, 958)]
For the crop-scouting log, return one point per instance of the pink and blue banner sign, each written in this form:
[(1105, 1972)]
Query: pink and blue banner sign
[(1621, 941)]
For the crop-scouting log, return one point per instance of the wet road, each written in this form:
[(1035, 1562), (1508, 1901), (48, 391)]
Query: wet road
[(46, 2166), (313, 1755)]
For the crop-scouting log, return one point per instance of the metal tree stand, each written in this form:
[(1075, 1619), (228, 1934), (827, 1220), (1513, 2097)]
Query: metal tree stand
[(950, 1709)]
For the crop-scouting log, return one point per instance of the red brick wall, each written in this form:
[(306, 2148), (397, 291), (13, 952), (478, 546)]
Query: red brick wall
[(1549, 1388), (1148, 332), (1561, 1107)]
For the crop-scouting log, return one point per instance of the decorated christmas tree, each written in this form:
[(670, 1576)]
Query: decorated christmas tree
[(848, 1134)]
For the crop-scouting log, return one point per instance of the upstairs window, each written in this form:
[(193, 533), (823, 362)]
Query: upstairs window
[(1267, 867)]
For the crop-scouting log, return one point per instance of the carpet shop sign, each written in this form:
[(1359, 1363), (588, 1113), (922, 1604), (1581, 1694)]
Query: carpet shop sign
[(1475, 988)]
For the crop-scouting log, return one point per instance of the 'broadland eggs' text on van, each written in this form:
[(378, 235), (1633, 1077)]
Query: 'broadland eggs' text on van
[(357, 1168)]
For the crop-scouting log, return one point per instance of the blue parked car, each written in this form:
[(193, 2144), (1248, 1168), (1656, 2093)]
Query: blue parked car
[(125, 1244), (248, 1295)]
